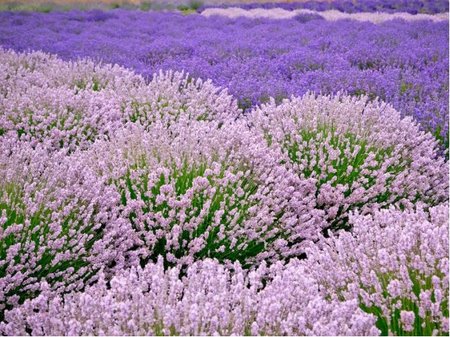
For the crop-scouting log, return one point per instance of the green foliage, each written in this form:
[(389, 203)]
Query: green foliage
[(115, 5), (195, 4), (444, 141), (244, 103), (145, 6)]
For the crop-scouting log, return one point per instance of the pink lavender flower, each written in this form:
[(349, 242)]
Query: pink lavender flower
[(395, 263), (57, 223), (407, 318), (209, 300), (362, 155), (71, 104), (198, 190)]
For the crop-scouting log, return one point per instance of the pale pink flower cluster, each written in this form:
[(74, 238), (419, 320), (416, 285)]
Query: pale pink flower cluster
[(226, 197), (361, 153), (209, 300), (71, 104), (329, 15), (396, 263), (57, 223)]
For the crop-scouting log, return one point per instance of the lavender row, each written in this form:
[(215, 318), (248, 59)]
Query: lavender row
[(351, 6), (390, 277), (405, 64)]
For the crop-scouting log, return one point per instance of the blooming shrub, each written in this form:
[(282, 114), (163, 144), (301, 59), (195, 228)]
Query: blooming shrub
[(70, 105), (171, 96), (57, 223), (206, 192), (396, 264), (209, 300), (362, 154), (403, 63), (23, 71)]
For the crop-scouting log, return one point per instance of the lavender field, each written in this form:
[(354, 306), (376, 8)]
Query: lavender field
[(268, 169)]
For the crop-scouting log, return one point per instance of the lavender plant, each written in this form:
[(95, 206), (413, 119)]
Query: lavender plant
[(396, 264), (362, 154), (209, 300), (173, 96), (57, 223), (70, 105), (225, 198), (63, 104)]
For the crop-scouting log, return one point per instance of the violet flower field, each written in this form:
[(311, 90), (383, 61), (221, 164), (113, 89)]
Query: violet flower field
[(219, 174)]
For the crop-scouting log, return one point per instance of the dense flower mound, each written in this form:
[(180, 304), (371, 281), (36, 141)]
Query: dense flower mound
[(403, 63), (396, 264), (197, 191), (208, 300), (349, 6), (37, 69), (172, 96), (56, 224), (71, 104), (362, 154)]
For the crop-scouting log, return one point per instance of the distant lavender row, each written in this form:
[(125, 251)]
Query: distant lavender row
[(349, 6), (405, 64), (331, 15)]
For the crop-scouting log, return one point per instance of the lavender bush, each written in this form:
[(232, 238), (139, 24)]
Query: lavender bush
[(396, 264), (57, 224), (403, 63), (225, 198), (361, 154), (70, 105), (209, 300)]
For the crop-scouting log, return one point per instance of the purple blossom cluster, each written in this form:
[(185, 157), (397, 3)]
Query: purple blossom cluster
[(134, 207), (402, 63), (350, 6)]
